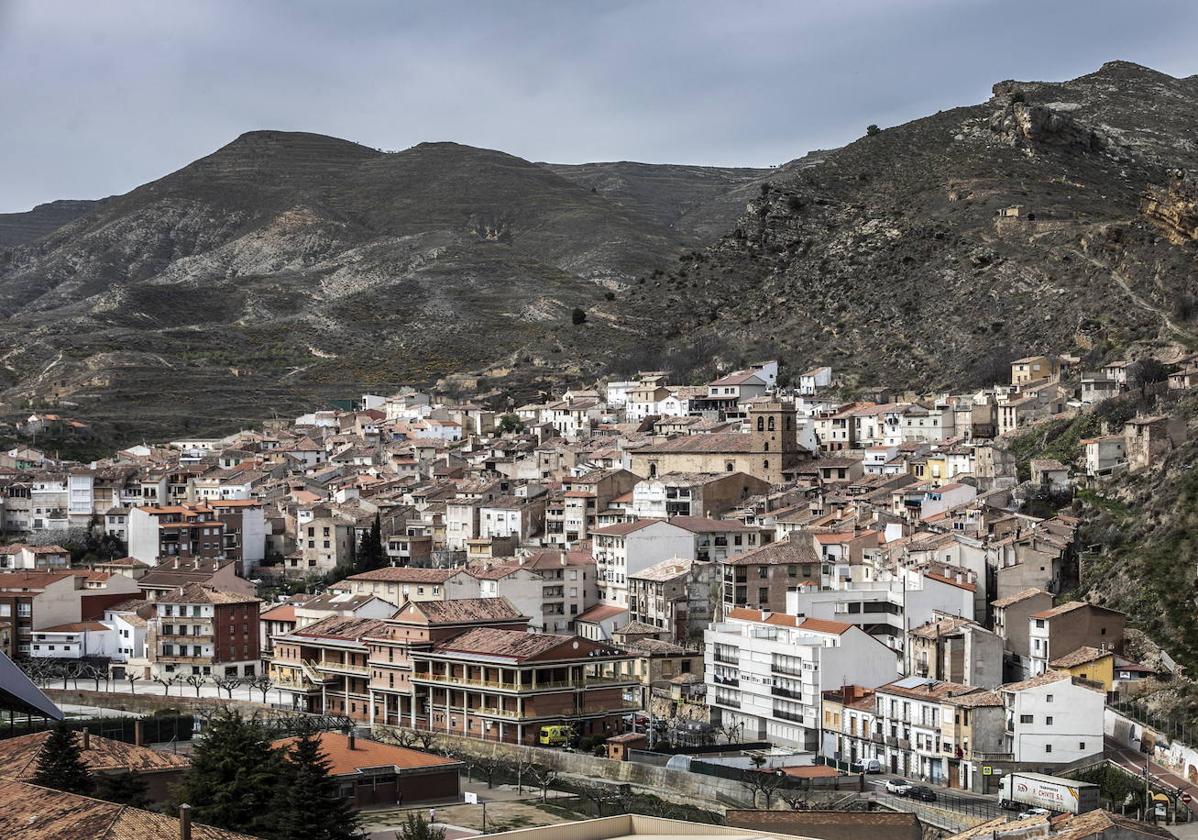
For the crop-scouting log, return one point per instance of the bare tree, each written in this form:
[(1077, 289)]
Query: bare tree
[(167, 682), (543, 777), (403, 737), (96, 673), (227, 684), (263, 683), (197, 682), (488, 766), (764, 782), (132, 677), (428, 739)]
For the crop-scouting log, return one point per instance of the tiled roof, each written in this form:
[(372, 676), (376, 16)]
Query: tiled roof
[(1019, 596), (515, 645), (406, 574), (470, 609), (340, 627), (1047, 678), (600, 612), (1081, 656), (796, 548), (706, 525), (665, 570), (621, 529), (29, 812), (366, 754), (193, 593), (18, 756)]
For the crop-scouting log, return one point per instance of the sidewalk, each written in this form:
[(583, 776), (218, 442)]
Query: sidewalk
[(1133, 761)]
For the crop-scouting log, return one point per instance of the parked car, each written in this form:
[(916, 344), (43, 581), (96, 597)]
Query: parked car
[(898, 787), (922, 794), (1035, 812), (871, 765)]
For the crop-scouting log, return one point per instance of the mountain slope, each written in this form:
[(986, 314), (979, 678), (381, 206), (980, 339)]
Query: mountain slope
[(19, 228), (890, 262), (287, 266)]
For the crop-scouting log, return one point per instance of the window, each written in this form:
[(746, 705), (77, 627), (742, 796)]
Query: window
[(1081, 745), (1048, 699), (1048, 721), (1048, 748), (1025, 718)]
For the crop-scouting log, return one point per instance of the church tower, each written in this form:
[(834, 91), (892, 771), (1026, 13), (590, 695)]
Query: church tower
[(773, 427)]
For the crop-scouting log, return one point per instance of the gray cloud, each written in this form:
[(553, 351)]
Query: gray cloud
[(100, 97)]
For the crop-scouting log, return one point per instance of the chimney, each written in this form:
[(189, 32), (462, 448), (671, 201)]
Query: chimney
[(87, 739), (351, 740), (185, 822), (138, 734)]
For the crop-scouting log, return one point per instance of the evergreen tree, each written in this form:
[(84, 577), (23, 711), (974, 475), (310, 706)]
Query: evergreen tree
[(371, 555), (60, 763), (234, 778), (311, 805), (418, 828), (125, 788)]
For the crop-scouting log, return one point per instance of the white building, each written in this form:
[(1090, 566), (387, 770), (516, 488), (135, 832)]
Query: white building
[(768, 671), (886, 609), (75, 641), (1053, 719), (629, 547), (812, 380)]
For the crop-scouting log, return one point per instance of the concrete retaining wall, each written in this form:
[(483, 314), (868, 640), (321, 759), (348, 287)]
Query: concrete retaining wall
[(674, 785), (147, 703)]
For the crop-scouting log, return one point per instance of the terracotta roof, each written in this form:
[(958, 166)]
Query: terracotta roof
[(283, 612), (796, 548), (367, 754), (76, 627), (1019, 596), (1066, 608), (926, 689), (516, 645), (340, 627), (706, 525), (193, 593), (942, 579), (600, 612), (470, 609), (18, 756), (29, 812), (1081, 656), (1047, 678), (406, 574)]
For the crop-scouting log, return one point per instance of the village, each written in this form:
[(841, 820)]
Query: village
[(779, 582)]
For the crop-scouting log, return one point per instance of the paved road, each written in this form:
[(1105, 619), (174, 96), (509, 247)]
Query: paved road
[(1134, 760)]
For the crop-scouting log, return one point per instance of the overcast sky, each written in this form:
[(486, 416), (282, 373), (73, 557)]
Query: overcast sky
[(98, 97)]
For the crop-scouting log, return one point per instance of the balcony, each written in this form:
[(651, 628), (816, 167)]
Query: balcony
[(778, 691), (341, 667), (876, 737), (720, 679), (495, 685), (791, 716)]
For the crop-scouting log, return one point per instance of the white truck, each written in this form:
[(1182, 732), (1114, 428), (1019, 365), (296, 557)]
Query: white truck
[(1035, 790)]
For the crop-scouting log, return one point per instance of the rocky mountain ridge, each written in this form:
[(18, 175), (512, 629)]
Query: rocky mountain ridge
[(287, 267)]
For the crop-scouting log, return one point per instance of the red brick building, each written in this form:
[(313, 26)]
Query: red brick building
[(504, 685), (200, 630)]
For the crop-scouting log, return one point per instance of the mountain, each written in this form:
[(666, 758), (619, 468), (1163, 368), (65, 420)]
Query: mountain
[(891, 261), (19, 228), (287, 267)]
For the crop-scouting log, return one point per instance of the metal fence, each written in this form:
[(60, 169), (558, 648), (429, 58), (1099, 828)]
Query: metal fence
[(159, 729), (1174, 727)]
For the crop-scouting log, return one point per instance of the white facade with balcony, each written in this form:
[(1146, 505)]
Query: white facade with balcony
[(769, 674), (1052, 719)]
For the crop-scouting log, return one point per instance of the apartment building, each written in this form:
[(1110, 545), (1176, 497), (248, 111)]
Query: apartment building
[(324, 540), (420, 626), (884, 608), (627, 548), (323, 667), (910, 716), (1010, 620), (1052, 718), (503, 685), (693, 494), (677, 597), (200, 630), (1059, 631), (34, 600), (226, 529), (551, 587), (767, 672), (956, 650), (761, 578)]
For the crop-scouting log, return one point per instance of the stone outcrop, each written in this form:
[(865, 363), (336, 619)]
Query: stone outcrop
[(1174, 207)]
